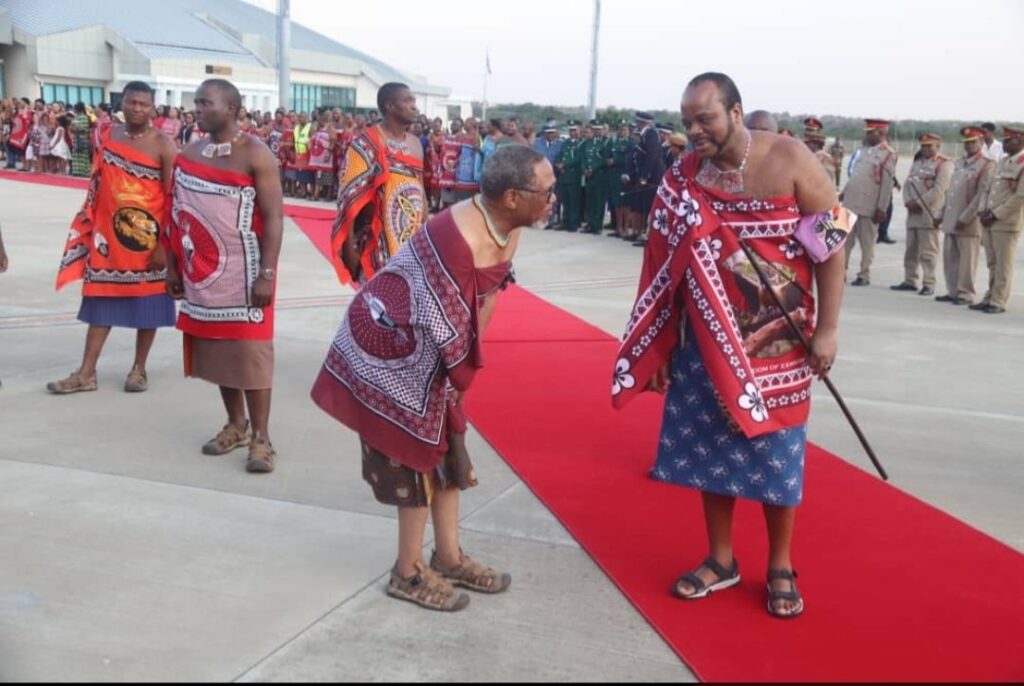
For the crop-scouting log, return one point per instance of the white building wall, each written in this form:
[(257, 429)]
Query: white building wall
[(82, 54), (19, 79)]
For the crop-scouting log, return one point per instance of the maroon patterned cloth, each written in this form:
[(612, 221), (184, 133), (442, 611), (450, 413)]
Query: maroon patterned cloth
[(407, 340)]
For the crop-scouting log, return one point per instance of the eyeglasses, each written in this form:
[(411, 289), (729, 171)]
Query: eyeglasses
[(549, 193)]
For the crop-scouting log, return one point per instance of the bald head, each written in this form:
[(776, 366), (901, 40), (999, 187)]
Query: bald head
[(761, 120)]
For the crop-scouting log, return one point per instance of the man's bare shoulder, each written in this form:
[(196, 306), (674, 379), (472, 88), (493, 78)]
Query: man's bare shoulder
[(414, 144)]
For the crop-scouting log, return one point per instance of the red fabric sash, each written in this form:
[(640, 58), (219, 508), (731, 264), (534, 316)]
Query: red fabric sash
[(409, 336), (216, 233), (21, 127), (113, 236), (694, 264), (391, 184)]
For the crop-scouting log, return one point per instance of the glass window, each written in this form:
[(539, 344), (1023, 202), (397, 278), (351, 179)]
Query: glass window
[(73, 96), (48, 94)]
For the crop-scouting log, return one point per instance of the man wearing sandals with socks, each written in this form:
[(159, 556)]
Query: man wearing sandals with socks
[(406, 353), (744, 209)]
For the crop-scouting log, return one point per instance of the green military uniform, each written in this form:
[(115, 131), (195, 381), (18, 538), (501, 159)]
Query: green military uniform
[(594, 154), (618, 151), (571, 173)]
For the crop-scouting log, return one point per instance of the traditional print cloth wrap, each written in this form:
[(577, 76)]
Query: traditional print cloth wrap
[(409, 338), (216, 233), (114, 234), (458, 165), (694, 267), (389, 184), (321, 151)]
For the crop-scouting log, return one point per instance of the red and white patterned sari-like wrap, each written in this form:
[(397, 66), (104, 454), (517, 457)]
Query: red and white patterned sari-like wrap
[(216, 233), (695, 270), (409, 338)]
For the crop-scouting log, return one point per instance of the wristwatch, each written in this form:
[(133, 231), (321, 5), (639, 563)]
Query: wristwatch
[(268, 273)]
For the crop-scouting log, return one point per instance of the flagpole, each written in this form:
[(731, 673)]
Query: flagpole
[(487, 71)]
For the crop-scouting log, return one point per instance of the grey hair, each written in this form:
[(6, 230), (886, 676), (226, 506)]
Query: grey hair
[(511, 166)]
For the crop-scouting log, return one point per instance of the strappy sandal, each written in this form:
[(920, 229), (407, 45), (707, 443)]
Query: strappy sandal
[(229, 438), (472, 575), (726, 579), (136, 381), (791, 595), (426, 589), (75, 383), (261, 456)]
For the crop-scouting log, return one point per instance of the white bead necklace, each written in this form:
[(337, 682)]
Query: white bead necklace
[(732, 180)]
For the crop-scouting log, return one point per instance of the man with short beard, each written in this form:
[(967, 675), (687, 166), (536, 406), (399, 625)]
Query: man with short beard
[(706, 332), (868, 193), (381, 201)]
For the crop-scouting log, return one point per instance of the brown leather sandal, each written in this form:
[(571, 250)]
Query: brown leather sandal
[(75, 383), (136, 382), (426, 589), (472, 575), (261, 456), (229, 438)]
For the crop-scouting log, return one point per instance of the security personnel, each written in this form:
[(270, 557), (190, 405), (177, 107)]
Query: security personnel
[(867, 194), (570, 168), (924, 194), (814, 139), (595, 173), (1002, 218), (960, 222)]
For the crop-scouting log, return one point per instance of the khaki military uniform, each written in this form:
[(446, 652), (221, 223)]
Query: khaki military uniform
[(868, 190), (828, 163), (1005, 199), (971, 177), (927, 186)]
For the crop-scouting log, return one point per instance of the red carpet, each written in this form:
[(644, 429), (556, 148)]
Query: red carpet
[(895, 589)]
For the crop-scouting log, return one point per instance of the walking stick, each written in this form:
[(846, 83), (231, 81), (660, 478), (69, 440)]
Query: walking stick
[(920, 199), (824, 377)]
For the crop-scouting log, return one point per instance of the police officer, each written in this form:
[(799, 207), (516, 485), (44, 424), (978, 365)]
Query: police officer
[(1002, 218)]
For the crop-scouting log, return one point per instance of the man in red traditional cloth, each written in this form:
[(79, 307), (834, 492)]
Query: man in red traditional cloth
[(745, 212), (21, 130), (225, 238), (381, 202), (115, 242), (407, 351)]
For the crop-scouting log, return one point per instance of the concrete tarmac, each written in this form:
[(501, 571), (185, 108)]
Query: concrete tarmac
[(125, 554)]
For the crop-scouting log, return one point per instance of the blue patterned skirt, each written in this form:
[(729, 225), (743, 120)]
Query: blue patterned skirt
[(145, 312), (700, 448)]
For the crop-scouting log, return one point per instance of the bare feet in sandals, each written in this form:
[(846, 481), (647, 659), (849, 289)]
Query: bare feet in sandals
[(711, 576), (784, 600)]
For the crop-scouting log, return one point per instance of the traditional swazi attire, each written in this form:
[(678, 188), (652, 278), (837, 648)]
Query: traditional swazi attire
[(407, 341), (112, 239), (81, 155), (216, 233), (381, 202), (459, 179), (739, 397)]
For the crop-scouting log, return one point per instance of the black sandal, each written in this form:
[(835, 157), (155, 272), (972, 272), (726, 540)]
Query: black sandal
[(792, 594), (726, 578)]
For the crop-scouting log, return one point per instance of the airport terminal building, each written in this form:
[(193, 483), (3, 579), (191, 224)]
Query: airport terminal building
[(71, 51)]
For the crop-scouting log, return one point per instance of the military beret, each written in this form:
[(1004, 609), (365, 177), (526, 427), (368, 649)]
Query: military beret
[(644, 116)]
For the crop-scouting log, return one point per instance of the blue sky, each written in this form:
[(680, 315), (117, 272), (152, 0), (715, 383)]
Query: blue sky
[(871, 58)]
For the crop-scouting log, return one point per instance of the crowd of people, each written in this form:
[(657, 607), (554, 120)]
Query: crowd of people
[(737, 312)]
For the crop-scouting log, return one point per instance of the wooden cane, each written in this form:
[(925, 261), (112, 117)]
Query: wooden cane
[(824, 377)]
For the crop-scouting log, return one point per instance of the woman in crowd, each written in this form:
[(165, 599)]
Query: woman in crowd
[(81, 142)]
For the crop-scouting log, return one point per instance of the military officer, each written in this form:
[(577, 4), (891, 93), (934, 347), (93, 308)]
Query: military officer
[(569, 179), (1002, 218), (867, 194), (838, 152), (814, 139), (594, 155), (924, 194), (960, 222)]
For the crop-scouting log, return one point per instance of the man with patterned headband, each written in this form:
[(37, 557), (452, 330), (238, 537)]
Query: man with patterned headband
[(114, 243), (1002, 218), (739, 231), (960, 221), (924, 194), (381, 201), (225, 238), (868, 192)]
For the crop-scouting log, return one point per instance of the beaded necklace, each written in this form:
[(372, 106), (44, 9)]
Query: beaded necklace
[(499, 240), (731, 180)]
